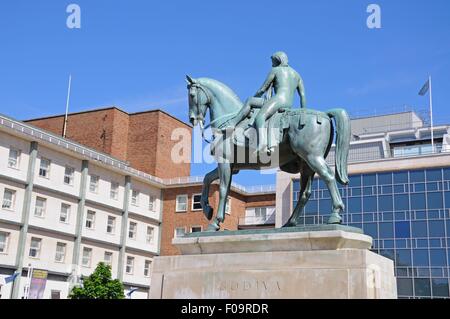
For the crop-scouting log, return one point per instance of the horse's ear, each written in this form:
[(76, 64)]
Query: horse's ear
[(190, 80)]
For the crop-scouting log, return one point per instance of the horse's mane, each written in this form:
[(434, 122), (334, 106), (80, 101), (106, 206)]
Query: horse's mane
[(214, 84)]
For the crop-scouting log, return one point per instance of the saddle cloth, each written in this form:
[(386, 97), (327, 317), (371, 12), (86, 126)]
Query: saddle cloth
[(277, 125)]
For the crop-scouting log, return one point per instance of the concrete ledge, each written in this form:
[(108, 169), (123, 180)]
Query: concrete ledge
[(271, 241)]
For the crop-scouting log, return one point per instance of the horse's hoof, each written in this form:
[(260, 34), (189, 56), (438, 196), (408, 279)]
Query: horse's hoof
[(213, 227), (335, 219), (290, 224)]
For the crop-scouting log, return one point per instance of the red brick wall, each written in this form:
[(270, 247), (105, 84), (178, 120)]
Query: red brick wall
[(172, 220), (142, 139)]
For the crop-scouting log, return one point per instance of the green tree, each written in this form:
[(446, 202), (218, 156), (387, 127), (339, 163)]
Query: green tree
[(99, 285)]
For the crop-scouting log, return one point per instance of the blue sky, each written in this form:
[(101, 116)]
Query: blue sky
[(134, 54)]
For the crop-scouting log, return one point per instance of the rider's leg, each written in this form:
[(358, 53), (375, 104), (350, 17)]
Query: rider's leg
[(266, 112), (252, 102)]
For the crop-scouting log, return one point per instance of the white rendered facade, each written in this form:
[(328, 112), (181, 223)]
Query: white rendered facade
[(55, 217)]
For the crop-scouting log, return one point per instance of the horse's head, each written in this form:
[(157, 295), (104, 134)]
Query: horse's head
[(199, 101)]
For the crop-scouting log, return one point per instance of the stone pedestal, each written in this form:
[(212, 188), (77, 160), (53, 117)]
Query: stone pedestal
[(293, 263)]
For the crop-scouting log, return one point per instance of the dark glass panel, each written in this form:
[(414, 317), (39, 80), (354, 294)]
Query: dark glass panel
[(447, 173), (355, 180), (435, 200), (388, 244), (385, 203), (447, 199), (354, 205), (356, 191), (370, 204), (422, 243), (403, 257), (399, 189), (356, 218), (399, 216), (419, 229), (386, 230), (419, 187), (418, 201), (422, 287), (420, 257), (386, 190), (438, 257), (400, 177), (401, 202), (325, 206), (434, 174), (421, 214), (368, 217), (440, 287), (436, 228), (387, 216), (402, 230), (400, 243), (388, 253), (311, 207), (369, 179), (384, 178), (416, 176), (296, 185), (433, 186)]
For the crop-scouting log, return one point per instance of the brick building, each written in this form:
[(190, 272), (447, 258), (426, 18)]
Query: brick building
[(142, 139), (242, 203)]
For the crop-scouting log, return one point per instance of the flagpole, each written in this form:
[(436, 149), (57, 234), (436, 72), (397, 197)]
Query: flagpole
[(67, 106), (431, 115)]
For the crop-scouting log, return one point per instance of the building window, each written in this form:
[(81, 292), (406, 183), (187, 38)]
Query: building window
[(8, 199), (135, 197), (44, 169), (4, 242), (90, 219), (228, 206), (60, 252), (87, 256), (65, 213), (14, 158), (39, 208), (261, 213), (114, 191), (111, 226), (93, 184), (181, 205), (196, 229), (151, 203), (132, 230), (55, 294), (108, 258), (180, 232), (147, 265), (150, 233), (130, 265), (196, 205), (68, 175), (35, 247)]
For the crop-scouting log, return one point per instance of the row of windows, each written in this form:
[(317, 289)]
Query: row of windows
[(182, 203), (45, 168), (64, 216), (390, 178), (181, 231), (61, 251)]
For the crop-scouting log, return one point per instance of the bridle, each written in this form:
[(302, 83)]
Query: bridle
[(208, 103)]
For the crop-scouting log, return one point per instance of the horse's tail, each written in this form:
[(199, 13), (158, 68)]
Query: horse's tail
[(343, 131)]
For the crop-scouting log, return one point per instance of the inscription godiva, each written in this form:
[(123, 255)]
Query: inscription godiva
[(250, 285)]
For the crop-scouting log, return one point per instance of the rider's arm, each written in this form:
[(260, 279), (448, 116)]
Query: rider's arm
[(266, 85), (301, 92)]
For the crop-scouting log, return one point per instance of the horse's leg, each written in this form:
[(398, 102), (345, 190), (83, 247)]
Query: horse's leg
[(204, 201), (319, 165), (225, 172), (306, 178)]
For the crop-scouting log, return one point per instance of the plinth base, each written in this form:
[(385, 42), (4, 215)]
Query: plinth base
[(326, 264)]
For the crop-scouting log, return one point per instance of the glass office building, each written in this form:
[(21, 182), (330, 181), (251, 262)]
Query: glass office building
[(408, 215)]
